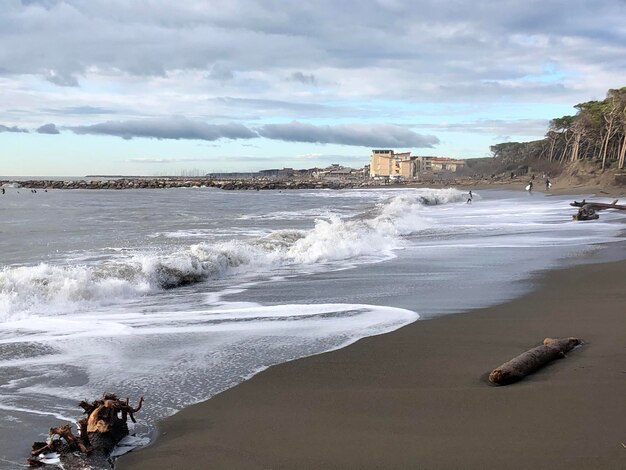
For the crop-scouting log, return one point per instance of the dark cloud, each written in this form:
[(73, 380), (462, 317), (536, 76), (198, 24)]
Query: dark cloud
[(48, 129), (304, 79), (11, 129), (433, 43), (61, 79), (168, 128), (363, 135), (40, 3), (289, 108), (220, 72)]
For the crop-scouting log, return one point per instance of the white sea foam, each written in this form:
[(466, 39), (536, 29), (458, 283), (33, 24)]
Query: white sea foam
[(186, 356), (36, 412), (230, 317), (306, 214), (221, 232), (366, 238)]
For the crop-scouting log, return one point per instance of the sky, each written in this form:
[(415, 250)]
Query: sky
[(155, 87)]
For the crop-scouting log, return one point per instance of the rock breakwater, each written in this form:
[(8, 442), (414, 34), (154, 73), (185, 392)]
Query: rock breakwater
[(163, 183)]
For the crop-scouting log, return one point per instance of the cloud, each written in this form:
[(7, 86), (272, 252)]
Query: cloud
[(309, 155), (520, 127), (61, 79), (220, 72), (12, 129), (304, 79), (417, 45), (475, 70), (297, 62), (363, 135), (177, 128), (48, 129), (47, 4), (81, 110), (168, 128), (273, 107)]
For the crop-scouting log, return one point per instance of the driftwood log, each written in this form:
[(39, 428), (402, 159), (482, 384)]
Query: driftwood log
[(588, 210), (531, 360), (98, 433)]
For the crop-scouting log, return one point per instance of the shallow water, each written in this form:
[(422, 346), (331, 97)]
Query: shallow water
[(179, 294)]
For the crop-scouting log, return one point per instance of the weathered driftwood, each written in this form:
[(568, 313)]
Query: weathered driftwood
[(598, 205), (104, 426), (588, 210), (531, 360)]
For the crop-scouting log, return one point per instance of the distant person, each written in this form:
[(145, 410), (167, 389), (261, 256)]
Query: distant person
[(529, 188), (3, 191), (548, 184), (469, 199)]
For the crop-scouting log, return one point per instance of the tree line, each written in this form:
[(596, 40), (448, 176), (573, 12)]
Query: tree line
[(596, 133)]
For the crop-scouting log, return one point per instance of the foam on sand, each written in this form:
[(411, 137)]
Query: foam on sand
[(186, 355)]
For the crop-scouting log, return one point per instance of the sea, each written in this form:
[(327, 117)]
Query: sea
[(179, 294)]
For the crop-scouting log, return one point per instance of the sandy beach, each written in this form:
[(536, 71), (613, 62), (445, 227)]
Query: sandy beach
[(419, 397)]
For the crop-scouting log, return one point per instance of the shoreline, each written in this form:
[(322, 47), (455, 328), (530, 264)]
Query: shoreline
[(560, 186), (418, 397)]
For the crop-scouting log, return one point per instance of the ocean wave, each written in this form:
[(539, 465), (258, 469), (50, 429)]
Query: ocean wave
[(369, 237), (306, 214)]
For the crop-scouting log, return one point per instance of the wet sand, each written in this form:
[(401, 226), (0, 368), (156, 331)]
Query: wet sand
[(418, 398)]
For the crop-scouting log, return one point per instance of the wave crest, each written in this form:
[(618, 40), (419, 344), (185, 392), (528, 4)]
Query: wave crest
[(369, 237)]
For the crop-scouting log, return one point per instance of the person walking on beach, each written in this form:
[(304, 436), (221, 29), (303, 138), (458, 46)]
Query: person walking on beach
[(548, 184)]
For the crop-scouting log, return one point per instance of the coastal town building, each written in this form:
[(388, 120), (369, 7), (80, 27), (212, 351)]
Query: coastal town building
[(338, 172), (388, 164), (334, 172), (403, 165), (439, 164)]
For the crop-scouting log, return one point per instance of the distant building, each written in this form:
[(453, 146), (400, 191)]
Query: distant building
[(339, 173), (233, 175), (439, 164), (388, 164), (272, 173)]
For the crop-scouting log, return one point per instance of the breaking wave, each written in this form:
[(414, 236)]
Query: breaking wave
[(332, 243)]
